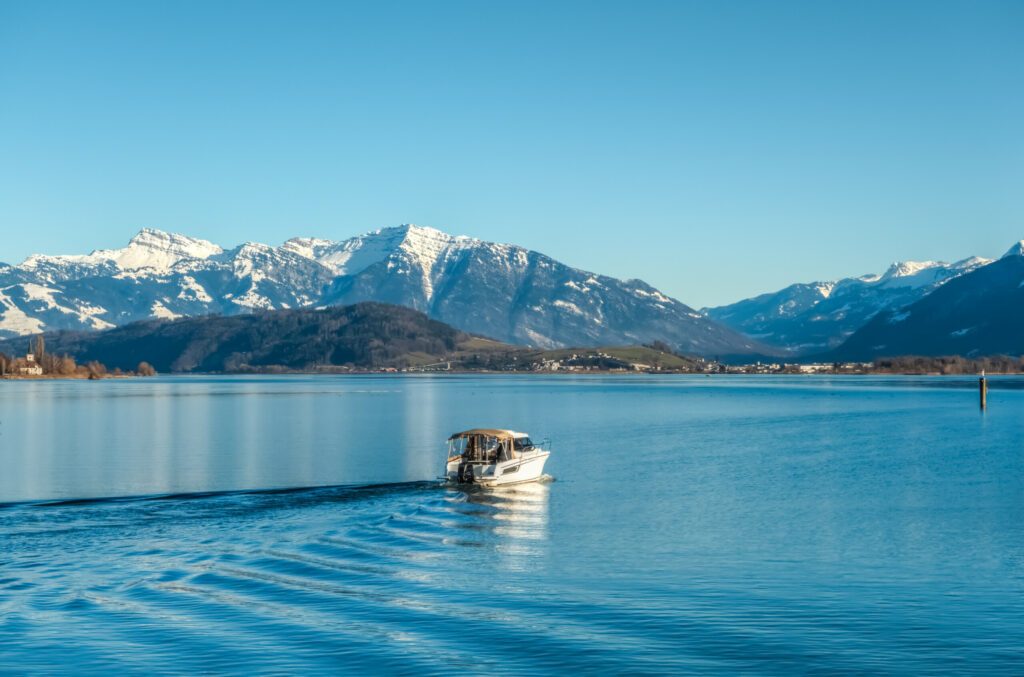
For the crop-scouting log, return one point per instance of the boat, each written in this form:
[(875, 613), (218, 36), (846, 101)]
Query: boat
[(491, 457)]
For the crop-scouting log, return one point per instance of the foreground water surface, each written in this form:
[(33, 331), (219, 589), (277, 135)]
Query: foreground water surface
[(723, 524)]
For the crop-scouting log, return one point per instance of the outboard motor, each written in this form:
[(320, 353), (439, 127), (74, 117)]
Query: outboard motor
[(466, 473)]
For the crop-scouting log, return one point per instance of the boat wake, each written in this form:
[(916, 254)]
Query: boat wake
[(366, 577)]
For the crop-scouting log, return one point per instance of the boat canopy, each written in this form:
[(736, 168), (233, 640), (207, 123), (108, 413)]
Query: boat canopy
[(488, 432)]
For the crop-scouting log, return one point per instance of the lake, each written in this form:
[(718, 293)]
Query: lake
[(692, 524)]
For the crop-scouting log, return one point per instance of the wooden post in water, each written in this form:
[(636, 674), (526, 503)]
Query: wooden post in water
[(983, 389)]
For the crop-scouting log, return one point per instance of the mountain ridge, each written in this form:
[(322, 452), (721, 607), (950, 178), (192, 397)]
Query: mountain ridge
[(812, 317), (501, 290), (976, 314)]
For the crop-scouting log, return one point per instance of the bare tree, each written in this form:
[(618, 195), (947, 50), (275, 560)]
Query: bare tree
[(96, 370), (66, 366)]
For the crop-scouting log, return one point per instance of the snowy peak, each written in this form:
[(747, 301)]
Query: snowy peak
[(909, 268), (152, 248), (908, 274), (308, 247), (250, 250), (924, 274), (350, 256), (419, 239), (426, 246), (259, 262), (420, 244), (418, 236), (1016, 250), (158, 240), (971, 262), (824, 288)]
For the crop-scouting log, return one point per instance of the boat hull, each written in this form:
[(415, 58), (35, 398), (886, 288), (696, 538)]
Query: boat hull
[(527, 468)]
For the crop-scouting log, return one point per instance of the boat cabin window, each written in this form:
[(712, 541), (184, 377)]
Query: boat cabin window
[(479, 448), (521, 443)]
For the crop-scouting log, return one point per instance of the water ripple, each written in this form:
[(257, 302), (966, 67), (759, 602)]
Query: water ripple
[(798, 531)]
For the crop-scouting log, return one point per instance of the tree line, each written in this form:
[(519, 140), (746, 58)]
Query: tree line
[(950, 364), (63, 365)]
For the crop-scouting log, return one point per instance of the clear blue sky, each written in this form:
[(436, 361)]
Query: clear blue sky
[(714, 149)]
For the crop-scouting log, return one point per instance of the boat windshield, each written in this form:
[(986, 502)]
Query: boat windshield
[(521, 443), (478, 448)]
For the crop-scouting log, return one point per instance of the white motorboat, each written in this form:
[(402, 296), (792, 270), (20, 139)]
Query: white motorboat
[(493, 458)]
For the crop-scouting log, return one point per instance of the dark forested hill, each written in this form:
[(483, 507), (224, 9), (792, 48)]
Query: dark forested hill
[(365, 335)]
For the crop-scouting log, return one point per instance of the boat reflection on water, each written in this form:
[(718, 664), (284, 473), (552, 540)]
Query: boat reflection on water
[(513, 520)]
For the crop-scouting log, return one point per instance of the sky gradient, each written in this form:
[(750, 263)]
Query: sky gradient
[(714, 149)]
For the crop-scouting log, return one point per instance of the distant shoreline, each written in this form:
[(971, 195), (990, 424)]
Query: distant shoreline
[(65, 377), (453, 372)]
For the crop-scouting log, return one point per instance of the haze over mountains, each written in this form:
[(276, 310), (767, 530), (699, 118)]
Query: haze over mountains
[(502, 291)]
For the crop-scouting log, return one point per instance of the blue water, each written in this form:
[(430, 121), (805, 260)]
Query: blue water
[(724, 524)]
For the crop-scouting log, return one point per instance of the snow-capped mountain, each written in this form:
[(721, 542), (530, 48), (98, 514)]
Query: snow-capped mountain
[(979, 313), (812, 317), (150, 249), (1016, 250), (498, 290)]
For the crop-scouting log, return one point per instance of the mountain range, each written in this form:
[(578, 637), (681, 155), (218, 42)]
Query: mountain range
[(518, 296), (975, 314), (814, 317), (502, 291)]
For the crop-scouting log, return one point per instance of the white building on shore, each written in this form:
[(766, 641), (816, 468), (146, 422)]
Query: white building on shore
[(31, 367)]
